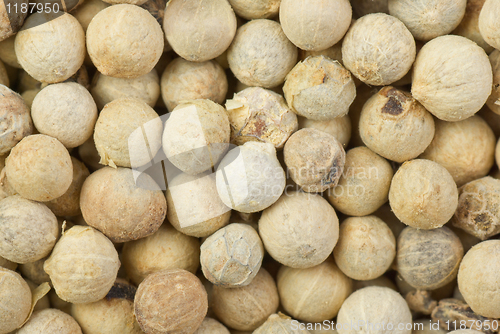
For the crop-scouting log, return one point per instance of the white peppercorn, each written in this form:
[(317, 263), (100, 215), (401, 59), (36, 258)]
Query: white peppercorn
[(279, 324), (316, 304), (232, 256), (465, 148), (428, 259), (319, 88), (211, 326), (250, 177), (39, 168), (15, 300), (315, 159), (196, 135), (477, 212), (233, 307), (11, 20), (260, 54), (477, 278), (121, 48), (106, 89), (452, 77), (65, 111), (112, 314), (364, 184), (15, 114), (317, 24), (29, 230), (199, 30), (395, 125), (423, 194), (488, 25), (339, 127), (300, 230), (118, 134), (372, 305), (195, 207), (366, 247), (378, 56), (148, 255), (50, 321), (258, 114), (83, 265), (51, 46), (112, 202), (68, 205), (429, 19), (185, 80), (170, 301), (469, 26)]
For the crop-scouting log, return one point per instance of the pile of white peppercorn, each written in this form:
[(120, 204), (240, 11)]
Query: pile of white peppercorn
[(249, 166)]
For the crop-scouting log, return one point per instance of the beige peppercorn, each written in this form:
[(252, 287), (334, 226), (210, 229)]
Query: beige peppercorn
[(15, 114), (68, 205), (465, 148), (196, 135), (233, 307), (121, 48), (185, 80), (105, 89), (452, 77), (366, 247), (372, 305), (488, 24), (15, 300), (279, 324), (258, 114), (477, 212), (195, 207), (319, 88), (50, 321), (339, 127), (395, 125), (477, 278), (428, 259), (429, 19), (469, 26), (315, 25), (39, 168), (112, 314), (379, 56), (257, 9), (250, 177), (11, 20), (112, 201), (199, 30), (303, 299), (65, 111), (232, 256), (148, 255), (300, 230), (423, 194), (211, 326), (364, 184), (315, 159), (118, 134), (83, 265), (51, 46), (29, 230), (170, 301), (260, 54)]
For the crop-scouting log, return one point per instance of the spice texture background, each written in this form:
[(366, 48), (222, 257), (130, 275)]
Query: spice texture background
[(250, 166)]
